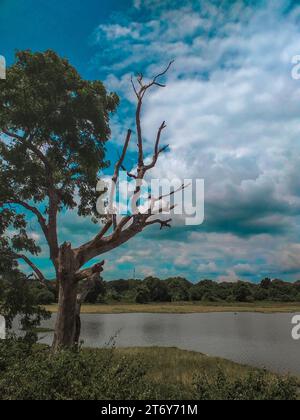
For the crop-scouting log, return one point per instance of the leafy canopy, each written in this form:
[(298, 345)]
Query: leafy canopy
[(53, 129)]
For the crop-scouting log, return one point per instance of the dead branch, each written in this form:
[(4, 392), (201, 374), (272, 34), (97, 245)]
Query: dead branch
[(163, 223), (130, 226), (129, 174), (157, 151), (39, 275), (88, 272), (122, 157), (116, 177)]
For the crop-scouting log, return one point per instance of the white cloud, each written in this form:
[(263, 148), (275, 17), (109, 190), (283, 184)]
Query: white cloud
[(289, 258), (232, 110), (207, 268), (229, 277), (125, 259), (146, 272)]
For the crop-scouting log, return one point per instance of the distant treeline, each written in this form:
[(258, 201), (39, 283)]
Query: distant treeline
[(177, 289)]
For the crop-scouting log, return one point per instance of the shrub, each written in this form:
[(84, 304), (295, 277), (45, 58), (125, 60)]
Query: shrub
[(242, 292), (142, 295), (208, 297), (31, 374), (261, 294), (45, 297), (255, 386)]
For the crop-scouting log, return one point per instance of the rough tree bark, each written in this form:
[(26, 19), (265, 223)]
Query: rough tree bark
[(83, 291), (74, 287), (64, 334)]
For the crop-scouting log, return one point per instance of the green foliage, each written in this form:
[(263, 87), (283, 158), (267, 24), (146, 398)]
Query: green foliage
[(266, 283), (97, 293), (260, 294), (255, 386), (142, 295), (45, 297), (179, 289), (158, 290), (242, 292), (31, 374), (155, 290), (13, 236), (18, 299), (53, 129)]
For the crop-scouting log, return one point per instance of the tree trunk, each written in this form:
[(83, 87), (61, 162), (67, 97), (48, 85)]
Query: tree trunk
[(65, 328), (83, 291), (77, 323)]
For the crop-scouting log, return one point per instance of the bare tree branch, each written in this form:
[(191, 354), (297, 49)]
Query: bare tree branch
[(129, 174), (116, 177), (32, 209), (157, 150), (140, 96), (139, 133), (88, 272), (181, 188), (121, 225), (163, 223), (38, 273), (129, 226), (122, 157), (134, 88), (163, 72), (103, 231)]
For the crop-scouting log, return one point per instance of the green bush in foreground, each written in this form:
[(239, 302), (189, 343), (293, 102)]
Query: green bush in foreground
[(255, 386), (31, 373)]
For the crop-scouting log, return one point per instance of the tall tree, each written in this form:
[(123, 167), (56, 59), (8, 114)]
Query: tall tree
[(53, 127)]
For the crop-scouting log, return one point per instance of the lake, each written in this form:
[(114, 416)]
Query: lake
[(261, 340)]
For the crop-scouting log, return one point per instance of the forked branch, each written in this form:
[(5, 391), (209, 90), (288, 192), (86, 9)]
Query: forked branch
[(88, 272), (39, 275), (129, 226)]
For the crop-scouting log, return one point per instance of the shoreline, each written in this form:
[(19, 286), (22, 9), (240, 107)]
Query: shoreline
[(185, 308)]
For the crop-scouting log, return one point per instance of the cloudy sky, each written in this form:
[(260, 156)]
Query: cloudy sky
[(233, 114)]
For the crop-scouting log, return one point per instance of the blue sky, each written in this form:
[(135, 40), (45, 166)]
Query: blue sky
[(232, 110)]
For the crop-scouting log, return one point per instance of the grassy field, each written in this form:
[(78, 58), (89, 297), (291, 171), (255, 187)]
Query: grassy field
[(154, 373), (171, 368), (186, 308)]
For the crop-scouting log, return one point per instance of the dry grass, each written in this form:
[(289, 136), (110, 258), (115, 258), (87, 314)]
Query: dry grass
[(186, 308), (173, 366)]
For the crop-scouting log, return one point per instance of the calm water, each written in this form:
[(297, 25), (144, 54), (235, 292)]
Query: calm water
[(254, 339)]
